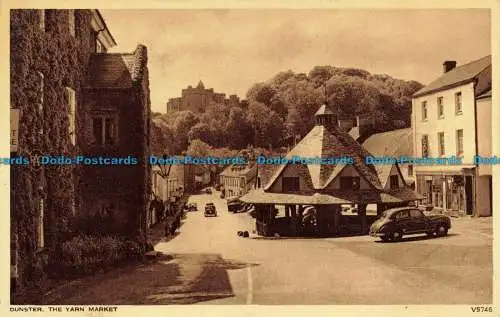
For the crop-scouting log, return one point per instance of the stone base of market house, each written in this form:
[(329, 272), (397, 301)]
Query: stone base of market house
[(457, 193)]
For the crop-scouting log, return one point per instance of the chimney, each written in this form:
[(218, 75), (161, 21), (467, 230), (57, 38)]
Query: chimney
[(449, 65)]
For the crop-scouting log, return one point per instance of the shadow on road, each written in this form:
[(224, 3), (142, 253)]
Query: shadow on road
[(419, 238), (168, 279)]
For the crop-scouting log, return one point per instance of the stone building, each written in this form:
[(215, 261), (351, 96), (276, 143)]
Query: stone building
[(73, 99), (197, 99), (452, 117)]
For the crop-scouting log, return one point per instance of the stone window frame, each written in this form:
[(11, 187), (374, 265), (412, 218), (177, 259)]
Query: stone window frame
[(40, 105), (40, 225), (71, 95), (72, 22), (41, 20), (103, 116)]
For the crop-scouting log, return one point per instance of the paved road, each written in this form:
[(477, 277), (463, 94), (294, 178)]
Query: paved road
[(208, 264)]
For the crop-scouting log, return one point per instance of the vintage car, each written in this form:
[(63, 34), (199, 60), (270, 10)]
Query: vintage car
[(395, 223), (208, 191), (210, 210), (192, 207), (234, 205)]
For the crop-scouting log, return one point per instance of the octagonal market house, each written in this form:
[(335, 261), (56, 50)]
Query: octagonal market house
[(326, 188)]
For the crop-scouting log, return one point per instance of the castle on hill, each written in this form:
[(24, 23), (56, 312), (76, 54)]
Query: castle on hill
[(197, 99)]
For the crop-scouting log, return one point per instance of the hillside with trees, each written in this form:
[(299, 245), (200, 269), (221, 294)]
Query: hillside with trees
[(284, 106)]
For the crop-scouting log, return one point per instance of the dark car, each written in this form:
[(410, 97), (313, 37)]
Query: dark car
[(234, 205), (193, 207), (210, 210), (208, 191), (395, 223)]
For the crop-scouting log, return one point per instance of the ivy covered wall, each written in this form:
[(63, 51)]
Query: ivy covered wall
[(62, 59)]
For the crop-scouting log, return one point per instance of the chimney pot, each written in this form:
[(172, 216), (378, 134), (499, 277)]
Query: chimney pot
[(449, 65)]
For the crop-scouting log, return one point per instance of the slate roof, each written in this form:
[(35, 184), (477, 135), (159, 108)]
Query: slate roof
[(117, 70), (393, 144), (245, 171), (487, 94), (260, 196), (324, 110), (457, 76)]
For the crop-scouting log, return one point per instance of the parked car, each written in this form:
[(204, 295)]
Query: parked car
[(208, 191), (395, 223), (233, 205), (193, 207), (210, 210)]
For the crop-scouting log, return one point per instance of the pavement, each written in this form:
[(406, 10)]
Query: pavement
[(207, 263)]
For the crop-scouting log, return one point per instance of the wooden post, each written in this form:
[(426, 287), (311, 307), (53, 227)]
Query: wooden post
[(362, 216)]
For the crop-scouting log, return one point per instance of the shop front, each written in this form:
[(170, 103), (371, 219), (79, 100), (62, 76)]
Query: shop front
[(449, 192)]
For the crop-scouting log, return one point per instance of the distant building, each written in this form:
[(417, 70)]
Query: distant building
[(395, 144), (197, 99), (452, 117), (237, 180)]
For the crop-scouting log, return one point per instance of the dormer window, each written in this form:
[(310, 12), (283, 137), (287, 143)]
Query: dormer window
[(349, 183)]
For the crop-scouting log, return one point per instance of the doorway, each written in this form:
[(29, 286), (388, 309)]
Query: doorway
[(468, 195)]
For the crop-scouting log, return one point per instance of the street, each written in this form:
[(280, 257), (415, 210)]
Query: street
[(207, 263)]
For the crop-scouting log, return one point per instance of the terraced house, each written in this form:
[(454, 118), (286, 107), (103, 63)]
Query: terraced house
[(74, 98), (452, 117)]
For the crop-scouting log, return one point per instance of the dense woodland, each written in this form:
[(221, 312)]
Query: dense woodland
[(284, 106)]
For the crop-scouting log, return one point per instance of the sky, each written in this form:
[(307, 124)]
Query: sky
[(230, 50)]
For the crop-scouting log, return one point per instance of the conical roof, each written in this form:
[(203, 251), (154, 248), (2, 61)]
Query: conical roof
[(329, 142), (324, 109), (200, 85)]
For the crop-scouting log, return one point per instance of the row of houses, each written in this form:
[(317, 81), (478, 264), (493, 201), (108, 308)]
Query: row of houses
[(451, 117), (73, 98)]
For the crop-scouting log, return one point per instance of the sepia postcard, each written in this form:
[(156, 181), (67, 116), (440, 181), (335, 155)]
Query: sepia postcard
[(328, 157)]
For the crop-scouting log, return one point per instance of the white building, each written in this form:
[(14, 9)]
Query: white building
[(452, 117), (237, 180)]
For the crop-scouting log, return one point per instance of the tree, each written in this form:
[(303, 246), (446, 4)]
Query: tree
[(238, 129), (183, 123), (200, 131), (267, 125)]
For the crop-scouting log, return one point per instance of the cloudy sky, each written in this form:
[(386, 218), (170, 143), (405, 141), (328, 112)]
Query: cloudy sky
[(229, 50)]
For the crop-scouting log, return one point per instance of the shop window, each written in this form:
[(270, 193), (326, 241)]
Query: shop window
[(349, 183), (291, 184), (394, 181), (441, 143)]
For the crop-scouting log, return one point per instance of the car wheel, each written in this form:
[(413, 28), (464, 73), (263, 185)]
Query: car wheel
[(441, 231), (396, 235)]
